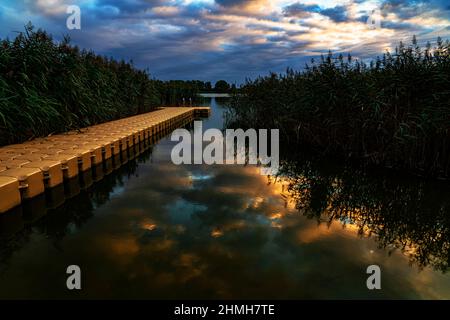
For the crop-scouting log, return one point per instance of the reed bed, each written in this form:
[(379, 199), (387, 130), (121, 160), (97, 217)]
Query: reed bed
[(393, 112), (49, 87)]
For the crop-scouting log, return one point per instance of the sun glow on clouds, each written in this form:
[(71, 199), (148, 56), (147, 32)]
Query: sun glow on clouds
[(233, 39), (166, 10), (56, 7)]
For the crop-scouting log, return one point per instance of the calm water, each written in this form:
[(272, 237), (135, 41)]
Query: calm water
[(156, 230)]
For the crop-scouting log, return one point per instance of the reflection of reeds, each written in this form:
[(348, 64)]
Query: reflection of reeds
[(409, 214), (394, 112), (48, 87)]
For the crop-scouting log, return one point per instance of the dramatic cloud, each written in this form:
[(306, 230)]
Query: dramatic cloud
[(337, 14), (231, 39), (301, 10)]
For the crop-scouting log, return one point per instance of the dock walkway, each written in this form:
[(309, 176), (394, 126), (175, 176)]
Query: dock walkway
[(28, 169)]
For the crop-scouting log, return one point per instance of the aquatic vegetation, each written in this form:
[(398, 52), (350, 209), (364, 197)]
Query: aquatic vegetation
[(48, 87), (393, 112)]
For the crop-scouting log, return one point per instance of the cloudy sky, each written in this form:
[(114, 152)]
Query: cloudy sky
[(231, 39)]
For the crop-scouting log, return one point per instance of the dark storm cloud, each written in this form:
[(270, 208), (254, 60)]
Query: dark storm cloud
[(231, 3), (337, 14), (300, 9), (129, 5), (406, 9)]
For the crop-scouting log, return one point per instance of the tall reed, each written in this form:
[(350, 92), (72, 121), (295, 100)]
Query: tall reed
[(48, 87), (393, 112)]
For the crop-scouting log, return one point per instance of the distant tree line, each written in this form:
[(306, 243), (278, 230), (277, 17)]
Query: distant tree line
[(183, 92), (222, 86), (393, 112)]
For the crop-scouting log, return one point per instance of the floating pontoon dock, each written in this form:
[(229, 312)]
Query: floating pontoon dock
[(29, 169)]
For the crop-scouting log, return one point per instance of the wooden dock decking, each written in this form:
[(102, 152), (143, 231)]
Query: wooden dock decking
[(28, 169)]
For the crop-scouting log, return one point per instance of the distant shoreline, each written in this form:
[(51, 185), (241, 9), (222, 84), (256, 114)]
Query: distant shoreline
[(215, 95)]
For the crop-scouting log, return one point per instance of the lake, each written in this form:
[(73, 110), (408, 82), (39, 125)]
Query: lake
[(153, 229)]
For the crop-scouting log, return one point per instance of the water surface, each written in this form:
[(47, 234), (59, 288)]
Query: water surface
[(156, 230)]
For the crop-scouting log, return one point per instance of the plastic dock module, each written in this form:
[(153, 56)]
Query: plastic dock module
[(69, 164), (31, 180), (52, 170), (28, 169), (9, 187)]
